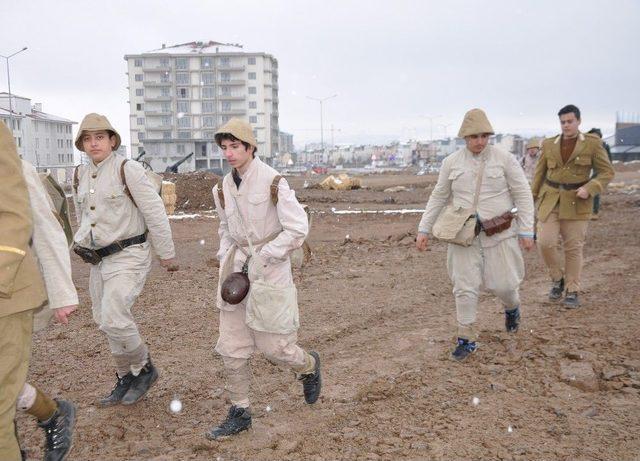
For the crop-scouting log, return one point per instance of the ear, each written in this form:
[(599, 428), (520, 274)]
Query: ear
[(112, 138)]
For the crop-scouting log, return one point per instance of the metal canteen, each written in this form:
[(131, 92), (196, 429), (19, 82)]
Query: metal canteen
[(236, 286)]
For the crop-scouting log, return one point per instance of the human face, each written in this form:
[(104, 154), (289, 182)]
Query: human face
[(533, 151), (477, 142), (237, 155), (98, 145), (569, 124)]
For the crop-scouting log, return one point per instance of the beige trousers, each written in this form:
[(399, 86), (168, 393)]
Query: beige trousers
[(573, 233), (15, 349), (500, 269), (237, 342), (112, 298)]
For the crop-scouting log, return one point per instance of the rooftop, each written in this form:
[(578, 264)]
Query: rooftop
[(200, 47)]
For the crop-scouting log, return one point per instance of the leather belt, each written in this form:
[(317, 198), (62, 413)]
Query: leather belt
[(120, 245), (561, 186)]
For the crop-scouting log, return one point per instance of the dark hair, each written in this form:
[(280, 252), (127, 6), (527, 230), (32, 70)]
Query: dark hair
[(219, 137), (568, 110), (595, 131)]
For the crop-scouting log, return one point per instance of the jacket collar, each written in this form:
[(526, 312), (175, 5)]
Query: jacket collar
[(580, 144)]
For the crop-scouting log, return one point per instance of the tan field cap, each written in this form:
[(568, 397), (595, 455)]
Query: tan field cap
[(475, 122), (533, 142), (95, 122), (240, 129)]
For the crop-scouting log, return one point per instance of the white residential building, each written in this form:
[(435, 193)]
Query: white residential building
[(42, 139), (179, 95)]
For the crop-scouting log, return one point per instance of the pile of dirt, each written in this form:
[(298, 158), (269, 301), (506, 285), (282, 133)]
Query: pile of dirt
[(193, 190)]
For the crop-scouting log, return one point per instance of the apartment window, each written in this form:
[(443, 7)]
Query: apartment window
[(140, 135), (207, 78), (165, 77), (165, 91), (183, 93), (225, 90), (166, 135), (165, 107), (251, 60), (180, 148), (208, 121), (182, 63), (252, 90), (182, 78), (184, 122), (184, 135), (208, 92), (253, 105), (140, 121), (164, 62), (252, 75), (137, 62), (46, 143), (225, 62), (209, 135), (38, 143), (207, 106), (183, 106), (226, 106), (139, 106), (224, 118), (138, 77), (166, 121), (139, 92), (253, 119), (206, 63), (225, 76)]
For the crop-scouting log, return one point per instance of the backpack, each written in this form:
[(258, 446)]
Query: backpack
[(300, 256), (59, 202), (154, 178)]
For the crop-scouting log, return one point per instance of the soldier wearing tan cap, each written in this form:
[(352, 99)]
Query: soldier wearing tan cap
[(119, 210), (492, 259), (530, 159), (255, 229)]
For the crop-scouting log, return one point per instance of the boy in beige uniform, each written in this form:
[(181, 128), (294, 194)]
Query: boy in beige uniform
[(246, 212), (494, 261), (119, 210)]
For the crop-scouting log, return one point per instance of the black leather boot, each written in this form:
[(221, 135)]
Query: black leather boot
[(512, 319), (464, 348), (557, 288), (237, 420), (571, 300), (141, 384), (58, 431), (312, 382), (119, 390)]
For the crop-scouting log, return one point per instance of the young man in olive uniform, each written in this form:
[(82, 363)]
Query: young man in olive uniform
[(119, 211), (564, 190), (248, 214)]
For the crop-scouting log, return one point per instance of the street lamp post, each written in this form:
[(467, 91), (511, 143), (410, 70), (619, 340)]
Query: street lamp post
[(431, 118), (321, 100), (9, 84)]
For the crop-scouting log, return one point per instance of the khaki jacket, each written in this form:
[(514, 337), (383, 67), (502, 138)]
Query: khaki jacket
[(503, 187), (51, 249), (588, 155), (106, 214), (21, 285)]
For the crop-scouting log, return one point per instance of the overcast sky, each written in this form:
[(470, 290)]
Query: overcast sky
[(393, 64)]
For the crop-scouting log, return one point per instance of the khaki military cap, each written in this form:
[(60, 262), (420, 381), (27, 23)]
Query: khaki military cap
[(475, 122), (240, 129), (533, 142), (95, 122)]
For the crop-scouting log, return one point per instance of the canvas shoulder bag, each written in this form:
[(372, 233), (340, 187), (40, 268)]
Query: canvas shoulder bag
[(270, 308), (456, 224)]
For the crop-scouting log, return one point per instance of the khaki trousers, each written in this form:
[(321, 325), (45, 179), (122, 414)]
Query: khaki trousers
[(237, 342), (112, 298), (15, 348), (573, 233), (500, 269)]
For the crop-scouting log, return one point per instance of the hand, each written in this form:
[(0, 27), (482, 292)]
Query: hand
[(421, 241), (526, 243), (170, 264), (582, 193), (62, 313)]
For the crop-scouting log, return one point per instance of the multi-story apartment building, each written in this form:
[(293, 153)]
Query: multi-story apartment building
[(179, 95), (43, 139)]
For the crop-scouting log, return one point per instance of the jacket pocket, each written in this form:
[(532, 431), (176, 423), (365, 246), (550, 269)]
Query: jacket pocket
[(258, 206), (495, 180), (455, 174), (552, 163)]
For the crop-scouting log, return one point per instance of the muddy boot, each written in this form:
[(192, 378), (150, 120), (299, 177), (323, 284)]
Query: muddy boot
[(557, 288), (571, 300), (464, 349), (119, 390), (238, 420), (312, 382), (512, 319), (141, 384), (58, 431)]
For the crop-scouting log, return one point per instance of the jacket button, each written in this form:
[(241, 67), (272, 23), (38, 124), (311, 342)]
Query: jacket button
[(573, 203), (92, 208), (92, 191), (94, 176)]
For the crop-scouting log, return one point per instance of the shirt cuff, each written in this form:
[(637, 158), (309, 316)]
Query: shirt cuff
[(528, 235)]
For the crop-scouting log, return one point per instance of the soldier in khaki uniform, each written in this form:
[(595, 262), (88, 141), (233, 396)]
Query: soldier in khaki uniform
[(118, 210), (494, 259), (21, 290), (530, 159), (564, 198)]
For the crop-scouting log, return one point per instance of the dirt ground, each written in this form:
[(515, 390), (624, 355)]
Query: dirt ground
[(566, 386)]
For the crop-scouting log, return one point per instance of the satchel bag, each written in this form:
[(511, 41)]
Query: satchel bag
[(459, 225)]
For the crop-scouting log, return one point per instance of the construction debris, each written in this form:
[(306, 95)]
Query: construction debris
[(341, 182)]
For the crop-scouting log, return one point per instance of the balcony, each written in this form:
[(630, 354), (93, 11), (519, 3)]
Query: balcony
[(159, 128), (233, 112), (156, 112), (232, 82), (231, 67), (157, 68), (148, 83), (157, 98), (231, 97)]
